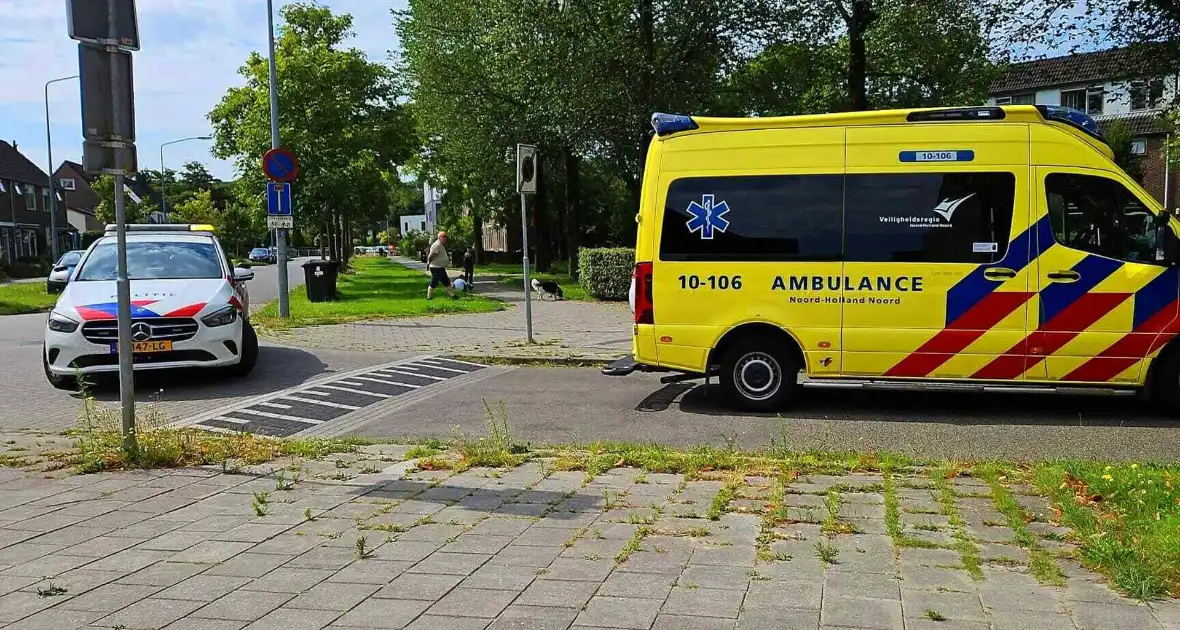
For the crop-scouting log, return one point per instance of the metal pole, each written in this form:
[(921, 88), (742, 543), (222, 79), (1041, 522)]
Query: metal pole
[(163, 187), (53, 245), (280, 234), (528, 288), (123, 285)]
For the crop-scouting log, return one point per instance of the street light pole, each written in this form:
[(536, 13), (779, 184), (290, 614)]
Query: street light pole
[(280, 233), (53, 245), (163, 181)]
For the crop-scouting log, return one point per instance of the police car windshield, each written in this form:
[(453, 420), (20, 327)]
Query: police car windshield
[(146, 260)]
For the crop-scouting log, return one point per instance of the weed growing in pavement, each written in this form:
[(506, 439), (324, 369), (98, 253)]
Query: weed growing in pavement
[(633, 544), (968, 550), (496, 450), (826, 552), (724, 496), (362, 548), (934, 615), (1042, 565), (283, 483), (261, 503), (421, 451), (307, 515)]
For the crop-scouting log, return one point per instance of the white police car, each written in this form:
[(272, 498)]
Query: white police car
[(189, 307)]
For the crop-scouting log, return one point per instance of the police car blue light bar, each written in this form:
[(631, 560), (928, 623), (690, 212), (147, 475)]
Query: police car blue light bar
[(665, 124)]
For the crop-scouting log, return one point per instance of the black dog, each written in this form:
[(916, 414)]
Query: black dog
[(550, 287)]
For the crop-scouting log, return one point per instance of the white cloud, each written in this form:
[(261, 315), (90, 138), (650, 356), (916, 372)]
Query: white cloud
[(190, 54)]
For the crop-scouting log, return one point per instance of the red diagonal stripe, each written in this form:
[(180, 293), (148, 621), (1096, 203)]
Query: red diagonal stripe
[(1053, 336), (961, 333), (1134, 346)]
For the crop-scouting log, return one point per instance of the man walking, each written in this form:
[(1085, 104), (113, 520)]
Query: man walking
[(437, 261)]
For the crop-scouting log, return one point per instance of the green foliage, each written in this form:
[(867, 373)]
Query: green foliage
[(413, 242), (1119, 137), (24, 297), (606, 272), (104, 187), (197, 209)]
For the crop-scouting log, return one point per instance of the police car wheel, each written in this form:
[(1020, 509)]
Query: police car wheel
[(249, 351), (758, 375), (58, 382)]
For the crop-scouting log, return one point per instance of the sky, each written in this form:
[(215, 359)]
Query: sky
[(190, 52)]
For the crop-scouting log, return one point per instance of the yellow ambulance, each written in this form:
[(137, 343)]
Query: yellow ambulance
[(985, 247)]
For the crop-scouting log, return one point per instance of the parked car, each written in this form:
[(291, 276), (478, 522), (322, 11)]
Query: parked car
[(263, 255), (62, 271), (190, 308)]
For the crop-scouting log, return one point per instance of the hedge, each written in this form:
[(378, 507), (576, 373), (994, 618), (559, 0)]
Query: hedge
[(606, 272)]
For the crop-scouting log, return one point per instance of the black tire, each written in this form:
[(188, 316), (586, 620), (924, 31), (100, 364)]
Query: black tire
[(58, 382), (1165, 381), (249, 352), (759, 374)]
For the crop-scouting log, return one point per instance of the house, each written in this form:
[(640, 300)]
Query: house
[(25, 230), (1108, 85), (412, 223), (80, 199)]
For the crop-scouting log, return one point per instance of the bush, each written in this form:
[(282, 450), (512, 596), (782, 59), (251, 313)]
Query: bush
[(412, 243), (606, 272), (30, 268)]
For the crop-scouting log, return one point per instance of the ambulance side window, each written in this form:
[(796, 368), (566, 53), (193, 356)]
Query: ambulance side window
[(1099, 216), (963, 217)]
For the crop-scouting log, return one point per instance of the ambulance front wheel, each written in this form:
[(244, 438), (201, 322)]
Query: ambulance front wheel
[(1165, 381), (758, 374)]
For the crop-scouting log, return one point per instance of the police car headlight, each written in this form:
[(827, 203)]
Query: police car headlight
[(62, 324), (222, 317)]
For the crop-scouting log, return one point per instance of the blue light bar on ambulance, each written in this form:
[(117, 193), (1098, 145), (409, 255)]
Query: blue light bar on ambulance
[(665, 124), (1073, 118)]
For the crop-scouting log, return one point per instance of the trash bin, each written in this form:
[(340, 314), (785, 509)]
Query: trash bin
[(319, 276)]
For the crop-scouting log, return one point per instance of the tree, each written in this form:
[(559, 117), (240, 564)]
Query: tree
[(340, 115), (1119, 137), (197, 209), (196, 176), (104, 187)]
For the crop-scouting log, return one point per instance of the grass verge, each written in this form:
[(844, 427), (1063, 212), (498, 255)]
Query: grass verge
[(375, 289), (25, 297), (1041, 564), (1126, 518)]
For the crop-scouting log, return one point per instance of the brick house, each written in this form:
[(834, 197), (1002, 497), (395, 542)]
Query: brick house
[(1109, 85), (24, 209), (80, 199)]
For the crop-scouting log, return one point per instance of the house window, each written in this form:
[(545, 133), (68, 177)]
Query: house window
[(30, 198), (1146, 94), (1095, 99), (1138, 147), (1074, 99), (1003, 100), (45, 199), (1024, 99), (68, 183)]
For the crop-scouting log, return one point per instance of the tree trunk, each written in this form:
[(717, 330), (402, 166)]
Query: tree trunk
[(648, 46), (573, 202), (859, 19), (539, 235), (331, 236), (477, 237)]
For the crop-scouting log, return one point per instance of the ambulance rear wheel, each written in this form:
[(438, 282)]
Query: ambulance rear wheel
[(758, 374)]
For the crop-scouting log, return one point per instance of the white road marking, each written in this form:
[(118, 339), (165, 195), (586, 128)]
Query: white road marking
[(435, 367), (279, 416), (344, 389), (274, 405), (388, 370), (388, 381), (324, 403), (476, 365)]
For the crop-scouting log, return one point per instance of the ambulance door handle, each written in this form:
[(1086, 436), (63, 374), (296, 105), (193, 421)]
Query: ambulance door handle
[(999, 274), (1067, 275)]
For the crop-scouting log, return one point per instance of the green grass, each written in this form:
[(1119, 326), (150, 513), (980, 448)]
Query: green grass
[(569, 287), (25, 297), (1126, 517), (376, 289), (1042, 565), (968, 550)]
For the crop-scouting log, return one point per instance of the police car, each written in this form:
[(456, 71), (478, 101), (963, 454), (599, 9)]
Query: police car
[(189, 307)]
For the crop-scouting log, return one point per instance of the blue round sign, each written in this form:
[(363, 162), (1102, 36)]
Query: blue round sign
[(280, 165)]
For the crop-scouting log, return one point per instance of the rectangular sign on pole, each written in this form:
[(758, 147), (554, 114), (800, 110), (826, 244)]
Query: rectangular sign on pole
[(89, 21), (95, 67), (108, 157), (278, 199), (280, 222)]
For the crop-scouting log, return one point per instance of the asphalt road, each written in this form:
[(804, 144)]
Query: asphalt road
[(27, 401), (555, 405)]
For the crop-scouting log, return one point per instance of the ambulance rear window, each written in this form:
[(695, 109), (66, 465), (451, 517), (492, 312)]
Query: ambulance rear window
[(771, 218)]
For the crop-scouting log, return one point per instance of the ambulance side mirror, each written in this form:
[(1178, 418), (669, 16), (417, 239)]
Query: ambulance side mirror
[(1167, 244)]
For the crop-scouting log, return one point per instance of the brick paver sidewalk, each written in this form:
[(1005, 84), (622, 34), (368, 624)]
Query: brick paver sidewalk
[(568, 329), (359, 543)]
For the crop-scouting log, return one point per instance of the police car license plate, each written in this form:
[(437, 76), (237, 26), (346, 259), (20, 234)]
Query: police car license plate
[(145, 346)]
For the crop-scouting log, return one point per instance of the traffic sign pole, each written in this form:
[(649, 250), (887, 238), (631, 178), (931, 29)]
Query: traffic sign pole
[(280, 234), (123, 283)]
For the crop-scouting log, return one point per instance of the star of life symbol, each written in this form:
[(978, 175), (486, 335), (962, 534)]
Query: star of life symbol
[(708, 216)]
